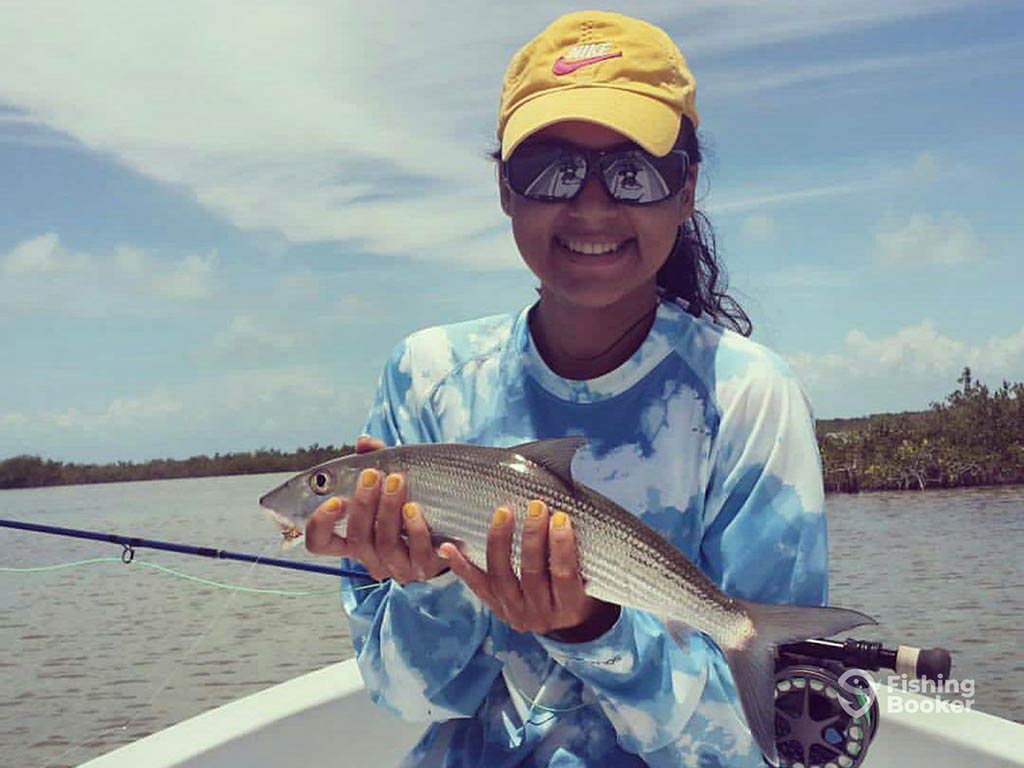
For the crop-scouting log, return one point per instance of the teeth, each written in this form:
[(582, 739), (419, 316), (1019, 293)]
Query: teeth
[(590, 248)]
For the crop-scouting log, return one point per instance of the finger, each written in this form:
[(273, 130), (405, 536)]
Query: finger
[(320, 537), (536, 586), (474, 578), (390, 548), (566, 583), (361, 523), (500, 575), (365, 444), (424, 560)]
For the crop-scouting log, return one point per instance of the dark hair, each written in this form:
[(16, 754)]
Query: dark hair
[(692, 271)]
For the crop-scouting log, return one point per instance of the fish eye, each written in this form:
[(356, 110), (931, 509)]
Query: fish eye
[(320, 482)]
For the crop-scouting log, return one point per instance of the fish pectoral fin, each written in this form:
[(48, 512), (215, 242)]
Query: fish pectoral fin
[(554, 455)]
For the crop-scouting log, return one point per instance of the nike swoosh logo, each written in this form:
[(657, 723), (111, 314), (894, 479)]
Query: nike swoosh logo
[(563, 67)]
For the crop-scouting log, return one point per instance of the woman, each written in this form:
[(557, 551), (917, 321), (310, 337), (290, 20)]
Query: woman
[(701, 432)]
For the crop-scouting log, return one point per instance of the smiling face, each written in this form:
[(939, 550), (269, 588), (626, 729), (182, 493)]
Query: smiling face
[(590, 252)]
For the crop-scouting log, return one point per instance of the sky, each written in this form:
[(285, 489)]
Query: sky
[(217, 219)]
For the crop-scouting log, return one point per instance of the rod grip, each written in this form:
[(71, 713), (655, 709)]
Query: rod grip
[(927, 663)]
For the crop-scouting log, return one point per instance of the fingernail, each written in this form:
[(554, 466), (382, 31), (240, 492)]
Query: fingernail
[(363, 436), (560, 520), (333, 504), (442, 552), (392, 483), (368, 478), (535, 508), (409, 510), (500, 516)]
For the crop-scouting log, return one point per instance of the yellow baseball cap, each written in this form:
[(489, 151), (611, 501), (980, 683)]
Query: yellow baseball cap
[(603, 68)]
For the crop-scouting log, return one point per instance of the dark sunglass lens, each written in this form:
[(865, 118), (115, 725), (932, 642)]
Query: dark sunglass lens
[(546, 173), (637, 177)]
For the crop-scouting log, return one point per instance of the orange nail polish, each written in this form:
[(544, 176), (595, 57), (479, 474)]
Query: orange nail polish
[(392, 483), (409, 510), (535, 508), (368, 478), (500, 516), (560, 520)]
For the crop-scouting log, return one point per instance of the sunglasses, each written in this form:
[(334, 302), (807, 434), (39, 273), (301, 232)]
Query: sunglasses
[(555, 172)]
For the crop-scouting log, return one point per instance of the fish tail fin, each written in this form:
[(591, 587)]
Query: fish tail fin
[(752, 660)]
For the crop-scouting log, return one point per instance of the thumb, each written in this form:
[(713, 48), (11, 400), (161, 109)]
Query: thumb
[(320, 536)]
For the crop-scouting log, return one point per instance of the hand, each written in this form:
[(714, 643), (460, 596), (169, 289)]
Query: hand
[(549, 599), (377, 516)]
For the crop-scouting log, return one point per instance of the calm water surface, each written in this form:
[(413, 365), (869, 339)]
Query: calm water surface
[(102, 654)]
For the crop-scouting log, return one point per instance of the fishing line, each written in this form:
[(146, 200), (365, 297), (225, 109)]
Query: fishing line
[(229, 598), (535, 702), (127, 557), (176, 573)]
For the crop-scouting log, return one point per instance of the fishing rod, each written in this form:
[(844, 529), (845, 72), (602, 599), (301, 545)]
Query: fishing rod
[(931, 664), (131, 543), (826, 710)]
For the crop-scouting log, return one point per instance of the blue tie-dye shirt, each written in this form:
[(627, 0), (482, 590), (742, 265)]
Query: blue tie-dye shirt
[(705, 435)]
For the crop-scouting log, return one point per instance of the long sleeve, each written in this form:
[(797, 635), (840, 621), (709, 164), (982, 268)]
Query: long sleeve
[(764, 517), (423, 649), (646, 684), (764, 540)]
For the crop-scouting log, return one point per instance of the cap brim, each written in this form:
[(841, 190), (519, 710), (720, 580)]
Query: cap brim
[(649, 122)]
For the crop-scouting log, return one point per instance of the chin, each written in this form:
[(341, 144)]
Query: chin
[(591, 297)]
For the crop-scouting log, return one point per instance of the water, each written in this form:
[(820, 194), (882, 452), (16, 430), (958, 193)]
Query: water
[(100, 655)]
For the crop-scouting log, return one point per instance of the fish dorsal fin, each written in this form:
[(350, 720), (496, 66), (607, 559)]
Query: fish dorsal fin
[(554, 455)]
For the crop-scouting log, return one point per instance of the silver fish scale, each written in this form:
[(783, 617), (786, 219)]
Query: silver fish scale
[(622, 560)]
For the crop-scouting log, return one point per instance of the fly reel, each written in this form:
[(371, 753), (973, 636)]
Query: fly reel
[(819, 722), (826, 712)]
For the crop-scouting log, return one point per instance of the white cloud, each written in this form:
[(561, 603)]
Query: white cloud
[(330, 120), (188, 280), (926, 167), (804, 277), (927, 240), (847, 70), (250, 338), (40, 274), (759, 228), (232, 411), (792, 196), (915, 352), (122, 412), (39, 254), (726, 27)]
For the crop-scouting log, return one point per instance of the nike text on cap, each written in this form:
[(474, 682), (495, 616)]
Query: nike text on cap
[(604, 68)]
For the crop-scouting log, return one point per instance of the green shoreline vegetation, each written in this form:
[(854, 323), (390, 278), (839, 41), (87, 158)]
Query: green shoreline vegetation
[(974, 437)]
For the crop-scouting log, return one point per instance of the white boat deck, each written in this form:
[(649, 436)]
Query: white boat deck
[(325, 719)]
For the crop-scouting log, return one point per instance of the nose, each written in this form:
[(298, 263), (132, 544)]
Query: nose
[(592, 201)]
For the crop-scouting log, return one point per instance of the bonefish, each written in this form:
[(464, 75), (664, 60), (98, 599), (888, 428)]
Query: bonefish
[(622, 560)]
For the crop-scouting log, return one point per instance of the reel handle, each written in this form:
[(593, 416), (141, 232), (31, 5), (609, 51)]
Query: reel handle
[(927, 663)]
